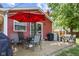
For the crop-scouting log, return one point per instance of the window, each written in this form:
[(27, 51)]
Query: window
[(38, 27), (20, 26)]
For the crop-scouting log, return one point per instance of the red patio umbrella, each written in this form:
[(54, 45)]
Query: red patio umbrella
[(28, 17)]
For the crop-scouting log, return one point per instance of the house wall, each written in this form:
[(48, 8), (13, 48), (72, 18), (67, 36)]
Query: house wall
[(11, 31), (47, 26)]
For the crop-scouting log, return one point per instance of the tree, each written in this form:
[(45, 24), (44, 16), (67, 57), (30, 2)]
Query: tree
[(66, 14)]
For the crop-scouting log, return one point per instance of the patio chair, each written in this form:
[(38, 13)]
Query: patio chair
[(27, 42), (72, 38), (14, 38), (35, 41), (21, 38)]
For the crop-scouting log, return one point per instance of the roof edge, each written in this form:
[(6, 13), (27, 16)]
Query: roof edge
[(46, 15), (2, 9), (8, 9)]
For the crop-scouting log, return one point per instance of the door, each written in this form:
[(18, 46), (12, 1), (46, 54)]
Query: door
[(32, 29), (36, 27), (39, 28)]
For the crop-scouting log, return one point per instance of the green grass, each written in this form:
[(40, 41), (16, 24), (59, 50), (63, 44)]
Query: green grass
[(72, 51), (77, 41)]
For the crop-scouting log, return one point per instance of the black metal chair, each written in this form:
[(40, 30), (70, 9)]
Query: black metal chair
[(27, 42), (21, 38)]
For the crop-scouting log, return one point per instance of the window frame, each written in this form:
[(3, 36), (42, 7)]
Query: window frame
[(19, 23)]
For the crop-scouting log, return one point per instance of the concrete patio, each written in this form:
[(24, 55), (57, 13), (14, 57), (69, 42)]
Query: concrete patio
[(48, 48)]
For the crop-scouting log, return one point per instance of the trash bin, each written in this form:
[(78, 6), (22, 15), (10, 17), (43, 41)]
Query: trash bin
[(56, 37), (50, 36)]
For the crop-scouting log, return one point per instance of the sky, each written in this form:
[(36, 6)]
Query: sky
[(43, 6)]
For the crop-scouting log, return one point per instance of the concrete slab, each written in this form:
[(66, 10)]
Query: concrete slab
[(48, 47)]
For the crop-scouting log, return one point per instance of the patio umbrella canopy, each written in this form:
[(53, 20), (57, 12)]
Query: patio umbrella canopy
[(28, 17)]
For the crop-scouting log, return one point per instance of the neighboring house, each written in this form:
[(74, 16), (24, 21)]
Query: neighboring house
[(12, 27)]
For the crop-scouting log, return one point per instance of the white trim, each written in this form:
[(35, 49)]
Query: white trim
[(2, 9), (5, 26), (19, 23), (36, 27), (30, 28), (45, 15), (24, 8)]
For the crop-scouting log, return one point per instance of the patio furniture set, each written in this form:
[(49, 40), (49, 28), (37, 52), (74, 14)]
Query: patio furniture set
[(30, 42), (68, 38)]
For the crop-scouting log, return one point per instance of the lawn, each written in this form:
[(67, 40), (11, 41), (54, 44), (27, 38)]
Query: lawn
[(72, 51), (77, 41)]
